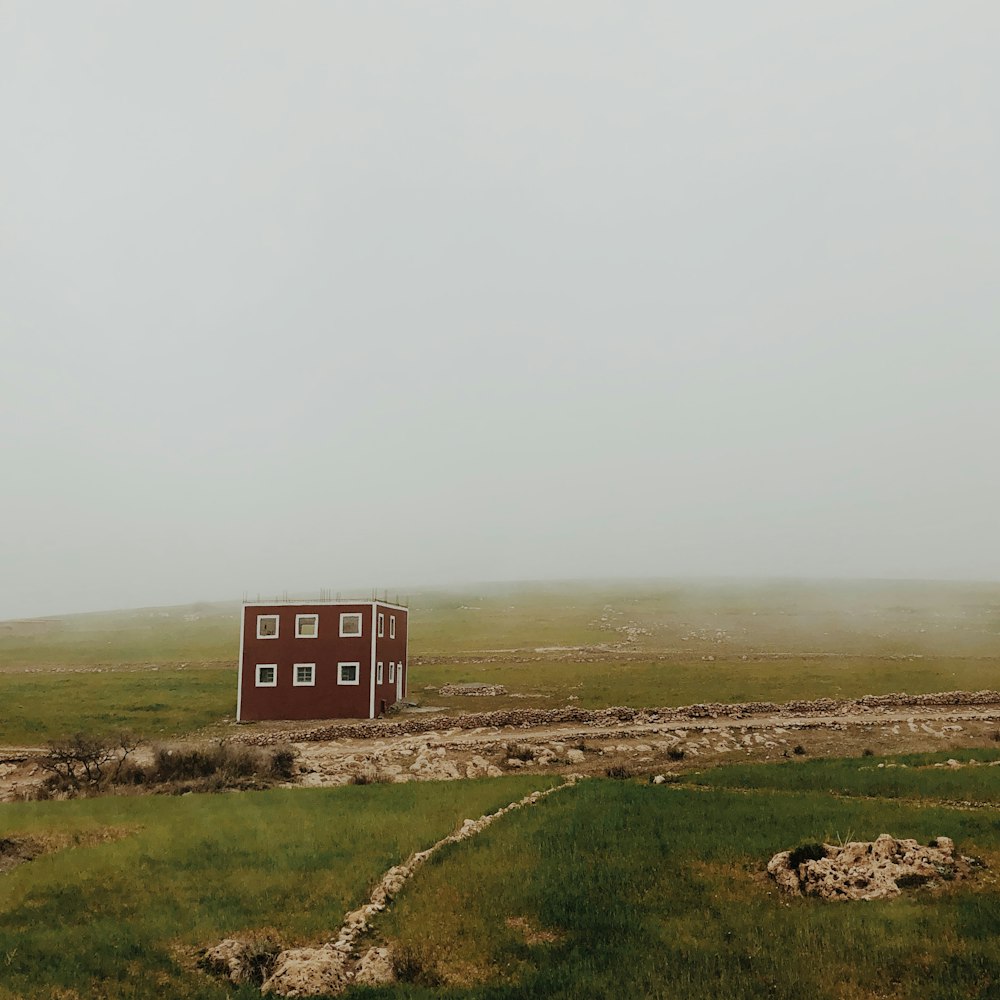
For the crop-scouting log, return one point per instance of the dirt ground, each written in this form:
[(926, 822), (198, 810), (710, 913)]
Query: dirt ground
[(450, 753), (660, 747)]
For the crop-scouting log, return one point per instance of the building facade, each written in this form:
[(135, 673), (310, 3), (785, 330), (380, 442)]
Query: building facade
[(321, 660)]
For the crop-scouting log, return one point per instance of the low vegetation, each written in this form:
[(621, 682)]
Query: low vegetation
[(85, 765), (123, 919), (906, 776), (660, 891), (38, 706)]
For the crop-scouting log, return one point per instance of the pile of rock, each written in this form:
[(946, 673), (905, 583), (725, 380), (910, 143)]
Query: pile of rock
[(472, 690), (867, 869)]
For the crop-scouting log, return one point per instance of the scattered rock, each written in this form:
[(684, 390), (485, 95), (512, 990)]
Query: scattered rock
[(868, 869)]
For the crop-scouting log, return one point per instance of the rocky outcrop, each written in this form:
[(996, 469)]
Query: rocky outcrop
[(867, 870), (309, 972), (241, 961)]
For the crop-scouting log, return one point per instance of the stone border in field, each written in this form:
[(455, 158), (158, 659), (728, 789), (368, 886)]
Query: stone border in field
[(332, 967)]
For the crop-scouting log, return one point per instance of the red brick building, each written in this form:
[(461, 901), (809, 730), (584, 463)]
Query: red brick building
[(321, 660)]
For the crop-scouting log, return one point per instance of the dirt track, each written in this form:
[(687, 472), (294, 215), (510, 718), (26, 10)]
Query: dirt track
[(642, 746), (445, 748)]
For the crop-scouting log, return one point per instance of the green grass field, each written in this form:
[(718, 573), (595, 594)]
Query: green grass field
[(35, 707), (545, 643), (653, 891), (118, 920), (607, 890)]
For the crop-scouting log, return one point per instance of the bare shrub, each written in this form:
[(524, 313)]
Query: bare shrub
[(225, 762), (262, 950), (676, 753), (620, 771), (81, 762), (283, 762), (84, 764), (370, 776), (519, 751)]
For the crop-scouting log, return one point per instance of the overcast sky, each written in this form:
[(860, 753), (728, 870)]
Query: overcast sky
[(338, 294)]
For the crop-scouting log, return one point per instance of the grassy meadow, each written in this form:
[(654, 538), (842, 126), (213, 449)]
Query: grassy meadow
[(119, 920), (610, 889), (630, 890), (167, 671)]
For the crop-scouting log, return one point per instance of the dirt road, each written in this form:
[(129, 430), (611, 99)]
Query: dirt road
[(595, 743), (641, 747)]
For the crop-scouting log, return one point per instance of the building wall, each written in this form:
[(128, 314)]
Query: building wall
[(326, 698), (388, 651)]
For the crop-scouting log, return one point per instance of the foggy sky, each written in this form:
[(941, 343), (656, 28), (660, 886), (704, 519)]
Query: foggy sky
[(335, 294)]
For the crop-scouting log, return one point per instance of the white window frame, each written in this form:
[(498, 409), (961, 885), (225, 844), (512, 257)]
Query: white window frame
[(295, 675), (392, 626), (298, 619), (381, 625), (277, 626), (266, 684), (361, 626), (357, 672), (392, 672), (378, 673)]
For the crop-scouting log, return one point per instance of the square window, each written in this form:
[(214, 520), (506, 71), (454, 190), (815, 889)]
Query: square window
[(267, 675), (378, 674), (350, 624), (306, 626), (392, 626), (267, 626), (304, 675), (381, 625), (348, 673), (392, 672)]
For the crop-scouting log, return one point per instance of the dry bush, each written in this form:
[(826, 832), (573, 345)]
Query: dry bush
[(620, 771), (519, 751), (83, 763), (370, 776)]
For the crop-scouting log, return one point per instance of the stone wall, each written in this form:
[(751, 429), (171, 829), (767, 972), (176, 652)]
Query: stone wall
[(528, 717)]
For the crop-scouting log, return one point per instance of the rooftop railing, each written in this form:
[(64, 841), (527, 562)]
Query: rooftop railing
[(325, 597)]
